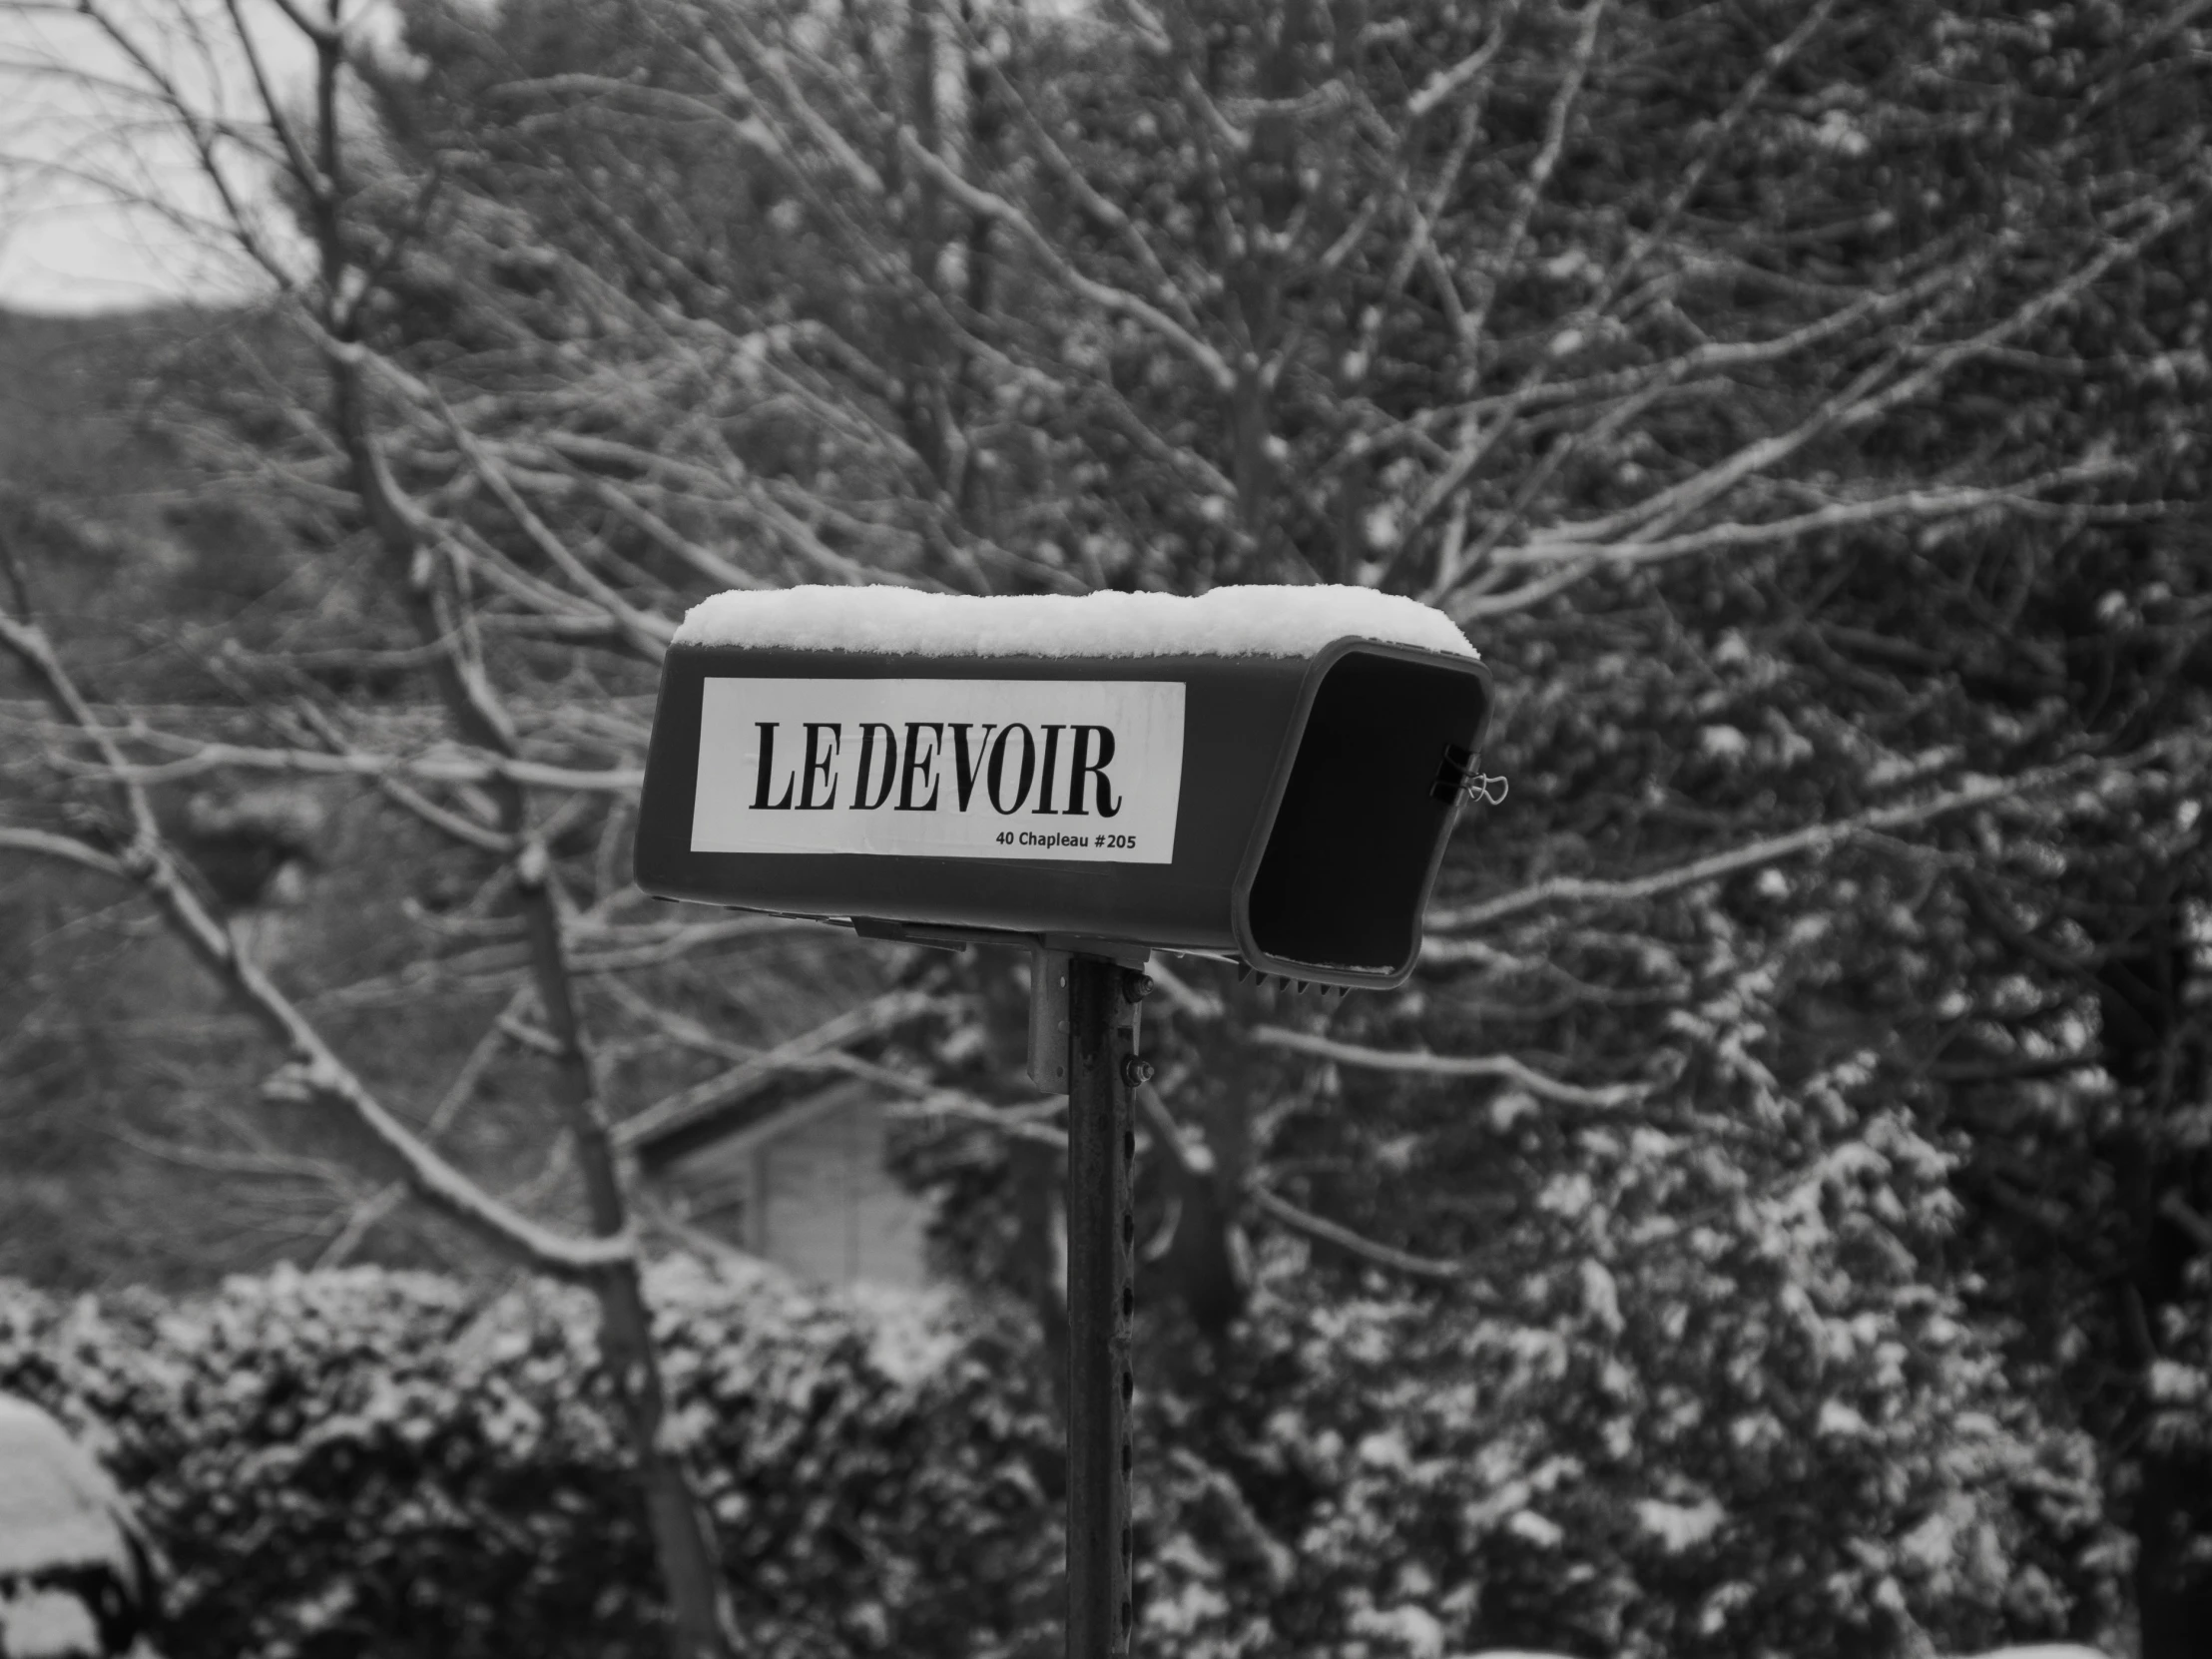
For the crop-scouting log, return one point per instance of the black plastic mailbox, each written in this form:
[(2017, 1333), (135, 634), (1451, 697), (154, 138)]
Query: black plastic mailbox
[(1311, 795)]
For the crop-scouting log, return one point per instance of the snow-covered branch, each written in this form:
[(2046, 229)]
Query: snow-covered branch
[(809, 1050), (1502, 1067), (452, 765), (1812, 840), (316, 1069), (1352, 1244)]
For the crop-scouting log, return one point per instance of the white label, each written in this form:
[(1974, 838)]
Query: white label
[(1080, 769)]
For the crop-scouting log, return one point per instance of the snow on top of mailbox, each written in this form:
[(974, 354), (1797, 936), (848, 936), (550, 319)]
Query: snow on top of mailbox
[(1228, 622)]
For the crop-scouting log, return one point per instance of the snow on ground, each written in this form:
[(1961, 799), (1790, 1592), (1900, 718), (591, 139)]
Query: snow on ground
[(1228, 622)]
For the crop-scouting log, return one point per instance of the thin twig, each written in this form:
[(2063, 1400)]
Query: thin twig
[(1500, 1066), (316, 1068), (1352, 1244), (1813, 838)]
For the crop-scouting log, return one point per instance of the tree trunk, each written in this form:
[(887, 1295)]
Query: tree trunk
[(2141, 985), (682, 1532)]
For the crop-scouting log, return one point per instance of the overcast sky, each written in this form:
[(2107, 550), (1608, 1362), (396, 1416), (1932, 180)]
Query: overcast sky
[(75, 149)]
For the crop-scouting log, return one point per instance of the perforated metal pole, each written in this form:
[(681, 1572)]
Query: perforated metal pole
[(1103, 1072)]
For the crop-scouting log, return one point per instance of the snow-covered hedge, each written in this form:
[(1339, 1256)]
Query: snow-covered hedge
[(365, 1461)]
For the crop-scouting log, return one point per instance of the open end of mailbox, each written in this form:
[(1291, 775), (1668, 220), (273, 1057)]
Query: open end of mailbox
[(1353, 848)]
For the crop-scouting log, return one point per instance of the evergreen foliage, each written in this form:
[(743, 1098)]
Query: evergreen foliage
[(365, 1459)]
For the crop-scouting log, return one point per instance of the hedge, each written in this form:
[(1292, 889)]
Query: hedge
[(373, 1462), (368, 1461)]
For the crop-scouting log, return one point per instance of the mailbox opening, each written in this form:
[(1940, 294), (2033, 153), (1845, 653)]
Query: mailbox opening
[(1342, 876)]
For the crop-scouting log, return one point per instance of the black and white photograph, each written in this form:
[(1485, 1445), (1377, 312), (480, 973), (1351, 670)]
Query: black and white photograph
[(1090, 829)]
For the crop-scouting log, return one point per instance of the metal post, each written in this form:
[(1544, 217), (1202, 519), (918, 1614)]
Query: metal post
[(1103, 1072)]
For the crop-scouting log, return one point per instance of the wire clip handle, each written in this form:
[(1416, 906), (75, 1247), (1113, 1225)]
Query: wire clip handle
[(1462, 775)]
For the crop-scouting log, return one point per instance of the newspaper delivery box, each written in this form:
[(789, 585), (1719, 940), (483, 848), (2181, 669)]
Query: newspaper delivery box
[(1264, 774)]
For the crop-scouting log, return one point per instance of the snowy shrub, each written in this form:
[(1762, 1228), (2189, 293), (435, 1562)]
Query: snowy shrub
[(1444, 1478), (1707, 1443), (338, 1463)]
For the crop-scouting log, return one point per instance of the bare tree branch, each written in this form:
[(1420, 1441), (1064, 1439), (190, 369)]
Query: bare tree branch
[(67, 848), (1355, 1244), (370, 1211), (1106, 297), (705, 1100), (316, 1068), (454, 764), (1501, 1066), (1447, 83), (1573, 561), (1814, 840), (1538, 177)]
